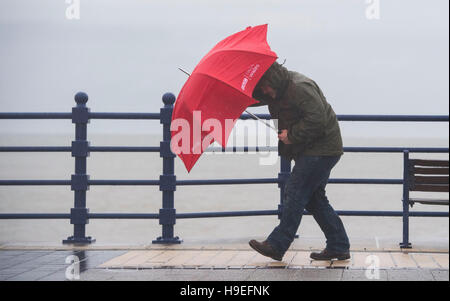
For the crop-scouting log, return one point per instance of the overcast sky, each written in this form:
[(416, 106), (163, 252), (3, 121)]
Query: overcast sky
[(125, 55)]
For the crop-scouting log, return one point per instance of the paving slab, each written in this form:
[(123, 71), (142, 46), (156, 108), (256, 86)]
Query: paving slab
[(318, 275), (403, 260), (441, 260), (32, 275), (364, 275), (409, 275), (223, 258), (203, 259), (424, 260), (226, 275), (440, 275), (271, 275)]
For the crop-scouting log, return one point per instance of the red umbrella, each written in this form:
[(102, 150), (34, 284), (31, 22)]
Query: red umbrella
[(218, 91)]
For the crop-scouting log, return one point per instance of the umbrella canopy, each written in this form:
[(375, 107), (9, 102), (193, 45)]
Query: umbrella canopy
[(218, 91)]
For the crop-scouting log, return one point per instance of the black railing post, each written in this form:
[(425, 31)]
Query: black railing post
[(167, 214), (405, 243), (79, 181), (283, 176)]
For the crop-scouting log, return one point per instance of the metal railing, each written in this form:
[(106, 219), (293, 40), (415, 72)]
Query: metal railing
[(80, 181)]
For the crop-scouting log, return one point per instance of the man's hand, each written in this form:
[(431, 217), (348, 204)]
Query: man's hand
[(283, 137)]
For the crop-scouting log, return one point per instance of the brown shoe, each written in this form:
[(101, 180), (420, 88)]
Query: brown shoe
[(264, 248), (329, 255)]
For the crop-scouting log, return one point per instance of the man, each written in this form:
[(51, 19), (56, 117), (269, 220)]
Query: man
[(309, 134)]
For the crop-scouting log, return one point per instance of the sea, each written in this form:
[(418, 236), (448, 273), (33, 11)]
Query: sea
[(371, 232)]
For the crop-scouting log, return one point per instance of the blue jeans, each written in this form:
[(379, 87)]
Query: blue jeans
[(305, 189)]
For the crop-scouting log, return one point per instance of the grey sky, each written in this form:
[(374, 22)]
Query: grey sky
[(125, 55)]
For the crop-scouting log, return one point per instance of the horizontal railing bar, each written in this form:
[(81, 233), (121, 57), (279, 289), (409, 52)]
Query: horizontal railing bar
[(216, 149), (193, 182), (227, 181), (124, 149), (226, 214), (34, 182), (68, 182), (35, 115), (35, 149), (366, 181), (213, 214), (355, 117), (69, 148), (275, 180), (67, 215), (123, 115), (123, 182), (396, 149), (92, 115), (393, 213), (124, 215), (241, 149), (351, 149), (261, 116), (34, 215), (416, 118), (137, 115), (340, 212)]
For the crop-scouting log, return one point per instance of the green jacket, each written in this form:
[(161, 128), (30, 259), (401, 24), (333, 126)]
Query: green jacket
[(302, 109)]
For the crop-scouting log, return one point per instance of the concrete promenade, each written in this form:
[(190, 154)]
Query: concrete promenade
[(221, 263)]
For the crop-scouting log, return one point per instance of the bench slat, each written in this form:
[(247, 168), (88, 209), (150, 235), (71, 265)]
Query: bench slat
[(430, 171), (430, 180), (430, 201), (427, 187), (435, 163)]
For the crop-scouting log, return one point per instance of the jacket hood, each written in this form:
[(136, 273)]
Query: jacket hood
[(277, 76)]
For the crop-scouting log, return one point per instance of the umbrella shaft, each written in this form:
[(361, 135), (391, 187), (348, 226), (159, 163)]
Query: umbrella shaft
[(257, 118)]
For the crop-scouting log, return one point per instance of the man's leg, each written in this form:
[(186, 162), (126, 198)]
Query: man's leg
[(328, 220), (308, 173)]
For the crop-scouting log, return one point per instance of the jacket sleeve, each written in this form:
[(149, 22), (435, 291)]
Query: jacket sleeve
[(312, 116)]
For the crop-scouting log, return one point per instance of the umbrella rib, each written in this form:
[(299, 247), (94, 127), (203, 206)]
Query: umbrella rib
[(273, 55), (208, 55)]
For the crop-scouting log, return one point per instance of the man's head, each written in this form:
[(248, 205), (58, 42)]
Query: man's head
[(272, 83), (263, 87)]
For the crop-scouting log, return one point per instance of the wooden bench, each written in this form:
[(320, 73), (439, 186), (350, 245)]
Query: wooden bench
[(428, 175), (425, 176)]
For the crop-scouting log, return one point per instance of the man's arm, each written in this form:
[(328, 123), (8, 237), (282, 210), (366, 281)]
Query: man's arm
[(312, 124)]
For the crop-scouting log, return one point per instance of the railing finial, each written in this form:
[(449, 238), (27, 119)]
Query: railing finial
[(168, 98), (81, 98)]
